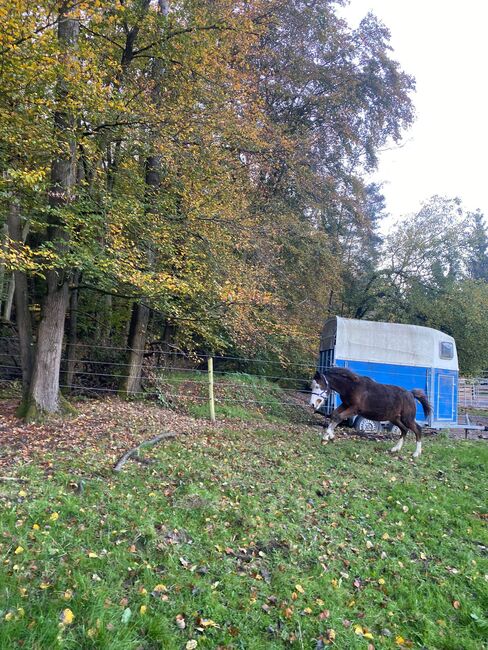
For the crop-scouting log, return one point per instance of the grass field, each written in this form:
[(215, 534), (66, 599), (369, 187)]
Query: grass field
[(248, 538)]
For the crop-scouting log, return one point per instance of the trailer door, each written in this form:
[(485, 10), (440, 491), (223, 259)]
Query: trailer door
[(445, 396)]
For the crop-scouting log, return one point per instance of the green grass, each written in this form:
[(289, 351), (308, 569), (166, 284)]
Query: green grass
[(274, 538), (237, 396)]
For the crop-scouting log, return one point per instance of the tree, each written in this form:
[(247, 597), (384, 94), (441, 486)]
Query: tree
[(477, 244)]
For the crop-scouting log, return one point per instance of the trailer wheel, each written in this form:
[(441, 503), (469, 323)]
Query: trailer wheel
[(363, 425), (392, 428)]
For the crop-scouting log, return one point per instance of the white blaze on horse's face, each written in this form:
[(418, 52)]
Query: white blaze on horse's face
[(318, 396)]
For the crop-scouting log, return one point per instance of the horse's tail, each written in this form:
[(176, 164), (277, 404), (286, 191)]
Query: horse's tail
[(422, 398)]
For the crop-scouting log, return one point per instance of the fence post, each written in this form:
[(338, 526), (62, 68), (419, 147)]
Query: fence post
[(211, 400)]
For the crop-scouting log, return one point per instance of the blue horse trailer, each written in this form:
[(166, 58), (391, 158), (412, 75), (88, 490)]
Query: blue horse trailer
[(391, 353)]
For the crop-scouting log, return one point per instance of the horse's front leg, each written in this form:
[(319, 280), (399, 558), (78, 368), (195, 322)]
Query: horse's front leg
[(338, 415)]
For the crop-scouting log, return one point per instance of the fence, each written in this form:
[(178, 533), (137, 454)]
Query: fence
[(169, 375), (100, 369), (473, 393)]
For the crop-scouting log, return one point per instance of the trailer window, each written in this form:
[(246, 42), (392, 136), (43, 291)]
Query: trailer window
[(446, 350)]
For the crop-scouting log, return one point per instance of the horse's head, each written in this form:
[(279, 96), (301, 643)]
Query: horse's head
[(320, 391)]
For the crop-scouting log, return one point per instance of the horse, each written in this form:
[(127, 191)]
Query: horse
[(366, 397)]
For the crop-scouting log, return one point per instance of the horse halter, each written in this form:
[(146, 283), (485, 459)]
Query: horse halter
[(325, 392)]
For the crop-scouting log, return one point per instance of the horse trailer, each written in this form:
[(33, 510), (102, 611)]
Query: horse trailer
[(409, 356)]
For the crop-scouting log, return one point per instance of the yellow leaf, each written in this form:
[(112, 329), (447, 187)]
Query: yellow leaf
[(54, 516), (358, 630), (66, 617), (142, 609), (36, 527), (368, 635), (9, 616), (385, 536), (160, 588), (381, 581), (19, 550), (44, 585), (300, 589), (68, 594), (92, 554), (331, 635), (22, 493), (399, 640)]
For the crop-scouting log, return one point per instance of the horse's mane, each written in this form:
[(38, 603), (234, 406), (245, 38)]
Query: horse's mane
[(344, 373)]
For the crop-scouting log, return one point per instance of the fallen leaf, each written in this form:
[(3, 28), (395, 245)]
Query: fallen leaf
[(456, 604), (66, 617), (300, 589), (180, 622), (191, 645), (330, 635), (126, 615), (19, 550)]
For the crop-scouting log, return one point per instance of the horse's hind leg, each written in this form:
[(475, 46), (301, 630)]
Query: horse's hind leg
[(418, 437), (404, 431)]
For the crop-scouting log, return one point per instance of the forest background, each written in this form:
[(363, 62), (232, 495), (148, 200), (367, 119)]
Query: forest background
[(192, 175)]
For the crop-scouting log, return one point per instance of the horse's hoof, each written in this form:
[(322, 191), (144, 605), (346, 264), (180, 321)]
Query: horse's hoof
[(415, 454), (325, 441)]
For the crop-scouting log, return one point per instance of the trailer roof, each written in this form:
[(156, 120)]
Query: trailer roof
[(363, 340)]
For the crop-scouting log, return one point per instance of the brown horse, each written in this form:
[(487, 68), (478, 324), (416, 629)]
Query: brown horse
[(366, 397)]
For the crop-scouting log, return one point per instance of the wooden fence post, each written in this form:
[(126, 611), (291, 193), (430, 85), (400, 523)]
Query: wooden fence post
[(211, 400)]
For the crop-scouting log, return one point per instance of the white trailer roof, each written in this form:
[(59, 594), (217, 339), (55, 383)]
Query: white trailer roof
[(363, 340)]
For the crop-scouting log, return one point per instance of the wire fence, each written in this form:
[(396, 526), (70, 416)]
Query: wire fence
[(173, 375)]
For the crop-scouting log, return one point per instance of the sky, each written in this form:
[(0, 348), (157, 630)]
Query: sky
[(444, 45)]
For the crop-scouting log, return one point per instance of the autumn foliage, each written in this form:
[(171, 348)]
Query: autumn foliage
[(198, 164)]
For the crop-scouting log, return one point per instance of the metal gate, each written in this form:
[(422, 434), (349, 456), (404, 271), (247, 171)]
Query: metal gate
[(326, 361)]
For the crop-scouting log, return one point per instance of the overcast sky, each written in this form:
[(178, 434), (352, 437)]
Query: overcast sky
[(444, 45)]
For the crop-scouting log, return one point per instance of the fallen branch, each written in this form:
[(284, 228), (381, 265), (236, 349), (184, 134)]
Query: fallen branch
[(147, 443), (13, 478)]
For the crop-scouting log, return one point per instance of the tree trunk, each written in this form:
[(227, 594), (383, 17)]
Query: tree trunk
[(22, 313), (131, 385), (3, 236), (72, 334), (44, 394), (9, 299), (44, 389)]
